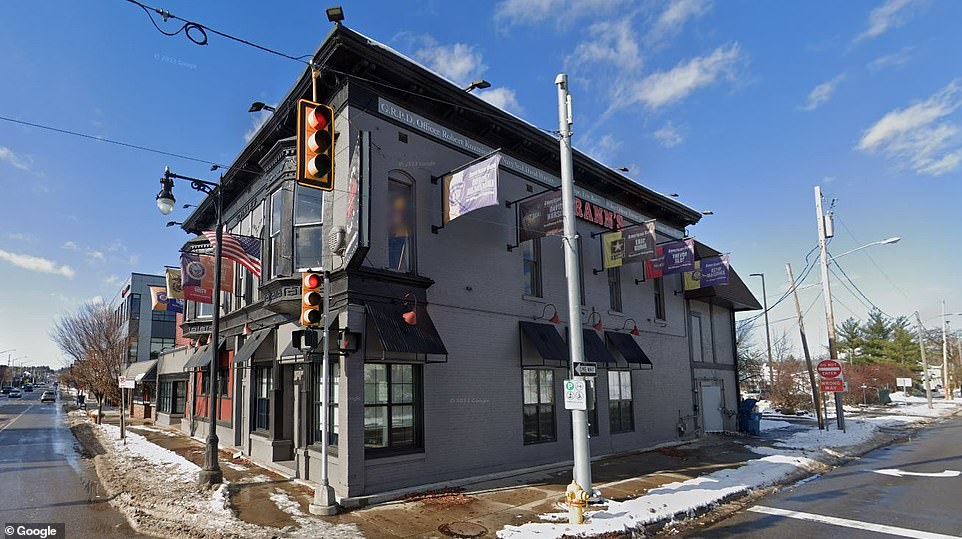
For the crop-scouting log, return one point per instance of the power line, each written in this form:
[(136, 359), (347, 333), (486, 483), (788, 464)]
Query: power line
[(874, 306), (809, 265), (872, 260)]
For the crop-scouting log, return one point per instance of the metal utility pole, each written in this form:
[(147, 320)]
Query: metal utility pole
[(571, 246), (945, 359), (925, 363), (816, 401), (768, 331), (827, 297)]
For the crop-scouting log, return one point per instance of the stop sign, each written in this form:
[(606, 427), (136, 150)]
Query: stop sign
[(829, 368)]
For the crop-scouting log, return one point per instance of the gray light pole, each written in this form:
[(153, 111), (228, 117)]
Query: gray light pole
[(827, 296), (571, 246), (211, 473), (768, 331), (945, 359), (925, 362)]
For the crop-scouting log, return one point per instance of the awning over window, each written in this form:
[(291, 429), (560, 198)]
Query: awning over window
[(251, 345), (626, 345), (595, 349), (399, 337), (142, 371), (201, 358), (546, 340)]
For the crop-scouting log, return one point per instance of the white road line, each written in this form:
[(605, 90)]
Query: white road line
[(14, 420), (844, 522)]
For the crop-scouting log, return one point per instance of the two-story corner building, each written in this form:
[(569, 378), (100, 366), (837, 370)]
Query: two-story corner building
[(149, 333), (473, 386)]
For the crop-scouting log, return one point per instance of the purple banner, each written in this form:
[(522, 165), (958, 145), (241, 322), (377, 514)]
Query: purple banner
[(714, 271), (472, 188), (540, 216), (679, 256)]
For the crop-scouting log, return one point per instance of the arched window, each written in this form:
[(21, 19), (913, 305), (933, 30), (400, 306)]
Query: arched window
[(401, 224)]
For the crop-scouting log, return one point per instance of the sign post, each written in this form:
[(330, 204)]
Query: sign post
[(831, 380)]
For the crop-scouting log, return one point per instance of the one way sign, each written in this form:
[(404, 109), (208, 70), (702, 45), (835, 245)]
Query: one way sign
[(586, 369)]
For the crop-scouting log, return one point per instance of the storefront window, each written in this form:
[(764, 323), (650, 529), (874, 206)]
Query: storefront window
[(539, 425), (332, 419), (262, 397), (391, 406)]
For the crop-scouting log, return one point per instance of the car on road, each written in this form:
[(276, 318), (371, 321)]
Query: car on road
[(14, 394), (28, 388), (6, 390), (48, 396)]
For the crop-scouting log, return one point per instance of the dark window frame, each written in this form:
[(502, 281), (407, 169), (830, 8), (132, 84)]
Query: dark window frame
[(263, 380), (332, 404), (315, 228), (417, 415), (621, 414), (658, 292), (540, 408), (409, 257), (614, 290), (535, 288)]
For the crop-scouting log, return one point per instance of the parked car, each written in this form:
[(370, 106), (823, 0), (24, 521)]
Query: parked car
[(48, 396), (14, 393), (28, 388), (6, 390)]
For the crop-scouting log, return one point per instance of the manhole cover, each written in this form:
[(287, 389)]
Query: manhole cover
[(462, 530)]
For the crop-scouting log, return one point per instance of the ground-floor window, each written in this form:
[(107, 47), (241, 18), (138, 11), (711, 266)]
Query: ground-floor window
[(164, 397), (392, 406), (262, 397), (332, 401), (172, 396), (538, 389), (619, 401)]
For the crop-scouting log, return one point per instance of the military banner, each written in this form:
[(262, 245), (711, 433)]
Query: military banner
[(197, 277), (631, 244), (160, 301), (174, 288), (679, 256), (711, 271), (471, 188), (655, 267), (540, 216)]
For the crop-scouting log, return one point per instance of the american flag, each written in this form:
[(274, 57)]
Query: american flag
[(244, 250)]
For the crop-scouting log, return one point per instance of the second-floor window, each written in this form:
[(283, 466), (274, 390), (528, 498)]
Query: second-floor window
[(273, 258), (308, 207), (531, 267), (614, 289), (659, 291), (400, 236)]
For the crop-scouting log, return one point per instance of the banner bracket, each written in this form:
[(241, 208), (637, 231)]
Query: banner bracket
[(639, 281), (509, 203), (435, 228), (434, 179), (513, 247), (597, 271)]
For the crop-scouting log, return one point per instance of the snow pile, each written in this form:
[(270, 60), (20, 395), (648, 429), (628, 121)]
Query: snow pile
[(309, 527), (774, 424), (220, 501), (175, 467), (680, 498)]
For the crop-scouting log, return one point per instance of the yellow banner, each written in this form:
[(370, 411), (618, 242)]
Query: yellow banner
[(693, 278), (174, 288), (612, 249)]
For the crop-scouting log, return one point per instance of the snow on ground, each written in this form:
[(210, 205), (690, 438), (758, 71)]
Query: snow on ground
[(234, 466), (220, 501), (176, 467), (773, 424), (286, 503), (669, 500), (158, 430)]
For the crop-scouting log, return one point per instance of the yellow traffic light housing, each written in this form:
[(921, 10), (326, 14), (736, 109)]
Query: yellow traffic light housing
[(311, 300), (315, 145)]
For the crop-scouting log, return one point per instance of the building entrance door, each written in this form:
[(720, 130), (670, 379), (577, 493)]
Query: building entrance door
[(711, 408)]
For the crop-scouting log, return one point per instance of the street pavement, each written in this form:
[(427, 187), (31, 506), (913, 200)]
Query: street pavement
[(42, 476), (855, 501)]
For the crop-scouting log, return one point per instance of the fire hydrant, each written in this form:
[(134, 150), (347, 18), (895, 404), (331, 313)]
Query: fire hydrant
[(577, 500)]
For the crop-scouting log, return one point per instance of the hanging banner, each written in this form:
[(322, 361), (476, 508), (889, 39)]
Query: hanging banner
[(197, 277), (174, 288), (471, 188), (540, 216), (714, 271), (679, 256), (356, 236), (631, 244), (655, 267), (160, 301)]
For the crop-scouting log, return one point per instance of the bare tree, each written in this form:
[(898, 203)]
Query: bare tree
[(96, 340), (750, 357)]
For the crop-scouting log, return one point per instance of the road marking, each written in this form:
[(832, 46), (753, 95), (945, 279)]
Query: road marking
[(14, 420), (846, 523), (900, 473)]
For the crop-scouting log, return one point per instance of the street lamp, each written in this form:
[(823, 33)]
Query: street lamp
[(768, 336), (888, 241), (211, 473), (479, 84), (258, 106)]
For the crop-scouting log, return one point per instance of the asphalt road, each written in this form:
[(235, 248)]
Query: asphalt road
[(854, 501), (42, 476)]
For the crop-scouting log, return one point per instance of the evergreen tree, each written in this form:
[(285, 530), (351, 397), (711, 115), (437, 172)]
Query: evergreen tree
[(876, 333), (850, 338), (903, 347)]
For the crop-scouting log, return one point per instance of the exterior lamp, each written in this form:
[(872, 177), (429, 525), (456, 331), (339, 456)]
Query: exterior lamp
[(597, 326), (247, 329), (634, 327), (165, 198), (258, 106), (554, 319), (173, 223), (479, 84), (707, 212), (411, 317), (335, 14)]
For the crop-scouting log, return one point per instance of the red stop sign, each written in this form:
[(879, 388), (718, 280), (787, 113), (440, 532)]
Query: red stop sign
[(829, 368)]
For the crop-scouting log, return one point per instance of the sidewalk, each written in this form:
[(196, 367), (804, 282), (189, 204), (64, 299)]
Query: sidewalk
[(641, 490)]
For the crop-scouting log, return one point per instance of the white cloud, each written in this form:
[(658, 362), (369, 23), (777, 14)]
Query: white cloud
[(503, 98), (133, 260), (666, 87), (564, 12), (6, 154), (459, 62), (822, 93), (611, 42), (111, 280), (71, 246), (668, 136), (93, 255), (920, 133), (36, 263), (675, 15), (602, 149), (895, 59), (19, 236), (257, 121), (891, 14)]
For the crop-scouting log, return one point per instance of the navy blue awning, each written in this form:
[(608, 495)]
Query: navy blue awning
[(626, 345), (546, 340)]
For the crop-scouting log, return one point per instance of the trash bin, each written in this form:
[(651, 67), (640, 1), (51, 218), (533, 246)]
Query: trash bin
[(749, 420), (884, 396)]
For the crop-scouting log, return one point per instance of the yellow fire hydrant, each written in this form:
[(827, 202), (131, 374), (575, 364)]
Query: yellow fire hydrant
[(577, 500)]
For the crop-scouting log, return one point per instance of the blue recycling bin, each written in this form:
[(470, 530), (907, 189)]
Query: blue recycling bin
[(748, 420)]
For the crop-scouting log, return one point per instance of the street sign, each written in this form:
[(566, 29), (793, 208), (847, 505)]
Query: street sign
[(576, 395), (126, 383), (829, 368), (831, 385), (903, 382), (585, 369)]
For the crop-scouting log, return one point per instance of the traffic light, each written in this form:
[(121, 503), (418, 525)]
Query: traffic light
[(315, 145), (311, 300)]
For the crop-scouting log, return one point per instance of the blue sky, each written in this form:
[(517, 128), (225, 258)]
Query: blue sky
[(740, 107)]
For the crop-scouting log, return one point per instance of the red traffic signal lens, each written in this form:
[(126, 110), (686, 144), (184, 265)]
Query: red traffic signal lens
[(319, 118), (312, 280)]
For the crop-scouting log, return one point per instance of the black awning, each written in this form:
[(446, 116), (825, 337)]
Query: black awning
[(546, 340), (250, 346), (595, 349), (626, 345), (397, 336), (201, 358)]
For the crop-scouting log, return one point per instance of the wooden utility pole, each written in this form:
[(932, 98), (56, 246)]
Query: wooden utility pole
[(816, 401)]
